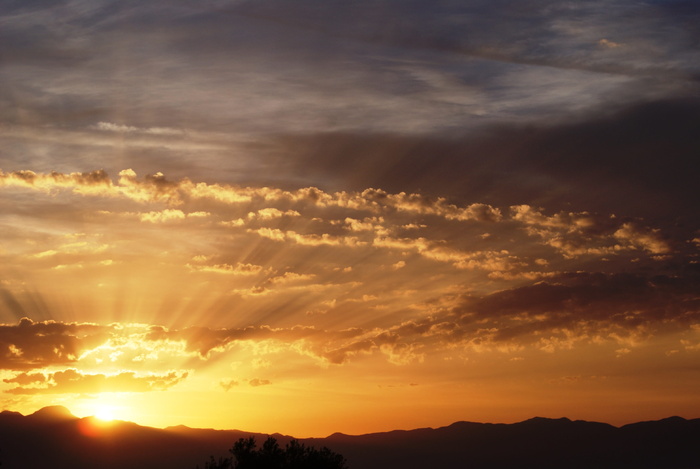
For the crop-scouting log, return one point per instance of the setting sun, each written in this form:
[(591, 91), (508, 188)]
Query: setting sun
[(105, 408), (106, 413)]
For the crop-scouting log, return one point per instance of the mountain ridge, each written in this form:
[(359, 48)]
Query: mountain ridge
[(57, 436)]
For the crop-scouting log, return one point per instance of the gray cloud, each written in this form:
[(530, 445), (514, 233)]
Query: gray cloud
[(398, 95), (639, 161), (577, 307), (367, 65)]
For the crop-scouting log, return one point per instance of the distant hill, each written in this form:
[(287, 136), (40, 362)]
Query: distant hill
[(537, 443), (53, 437)]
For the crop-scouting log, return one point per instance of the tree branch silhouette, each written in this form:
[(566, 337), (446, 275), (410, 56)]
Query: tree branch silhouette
[(295, 455)]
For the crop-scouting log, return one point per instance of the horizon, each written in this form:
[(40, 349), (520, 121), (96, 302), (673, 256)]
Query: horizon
[(307, 217), (107, 422), (71, 442)]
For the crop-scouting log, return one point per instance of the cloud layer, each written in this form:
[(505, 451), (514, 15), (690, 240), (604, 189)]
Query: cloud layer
[(330, 278)]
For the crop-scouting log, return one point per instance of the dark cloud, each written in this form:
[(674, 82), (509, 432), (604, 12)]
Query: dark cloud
[(332, 65), (49, 45), (30, 345), (639, 161), (536, 32), (586, 305), (565, 310), (661, 297)]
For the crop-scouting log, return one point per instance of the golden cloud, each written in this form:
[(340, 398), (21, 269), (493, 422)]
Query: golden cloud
[(72, 381)]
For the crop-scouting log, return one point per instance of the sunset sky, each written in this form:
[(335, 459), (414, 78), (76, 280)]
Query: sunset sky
[(309, 216)]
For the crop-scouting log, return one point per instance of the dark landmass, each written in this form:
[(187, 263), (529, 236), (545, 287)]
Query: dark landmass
[(53, 437)]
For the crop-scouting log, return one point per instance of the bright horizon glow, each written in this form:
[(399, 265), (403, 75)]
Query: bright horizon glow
[(105, 407), (106, 414)]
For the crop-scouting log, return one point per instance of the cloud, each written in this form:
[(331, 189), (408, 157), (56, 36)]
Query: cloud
[(94, 182), (24, 379), (410, 252), (227, 385), (74, 245), (488, 260), (121, 128), (642, 238), (367, 224), (255, 382), (72, 381), (163, 216), (576, 234), (323, 239), (606, 162), (570, 233), (30, 345), (608, 44), (342, 354), (272, 213), (541, 33), (157, 188), (581, 306), (238, 269), (168, 215), (39, 345), (108, 126), (403, 354), (288, 277), (205, 341), (546, 313), (561, 313)]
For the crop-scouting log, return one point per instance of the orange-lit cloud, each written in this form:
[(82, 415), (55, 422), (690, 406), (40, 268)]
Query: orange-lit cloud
[(575, 234), (216, 280), (73, 381)]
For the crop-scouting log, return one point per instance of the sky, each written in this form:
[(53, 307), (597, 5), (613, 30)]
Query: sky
[(315, 216)]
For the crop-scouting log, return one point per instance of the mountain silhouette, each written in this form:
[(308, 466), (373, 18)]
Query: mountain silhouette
[(53, 413), (53, 437)]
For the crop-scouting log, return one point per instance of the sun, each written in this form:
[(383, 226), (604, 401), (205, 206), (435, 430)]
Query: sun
[(104, 408), (106, 413)]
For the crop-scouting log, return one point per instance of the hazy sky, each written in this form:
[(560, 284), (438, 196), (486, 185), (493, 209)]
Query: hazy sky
[(308, 216)]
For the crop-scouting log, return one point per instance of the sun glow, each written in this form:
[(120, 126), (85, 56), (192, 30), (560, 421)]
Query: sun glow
[(105, 409), (106, 413)]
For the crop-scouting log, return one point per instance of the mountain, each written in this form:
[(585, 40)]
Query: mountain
[(535, 443), (54, 413), (53, 437)]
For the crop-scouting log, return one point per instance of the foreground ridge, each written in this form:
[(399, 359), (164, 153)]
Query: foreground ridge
[(53, 435)]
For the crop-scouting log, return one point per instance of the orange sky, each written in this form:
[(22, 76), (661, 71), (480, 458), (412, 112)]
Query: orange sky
[(355, 237)]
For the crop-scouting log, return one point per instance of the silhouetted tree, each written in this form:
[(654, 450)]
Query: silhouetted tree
[(222, 463), (295, 455)]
